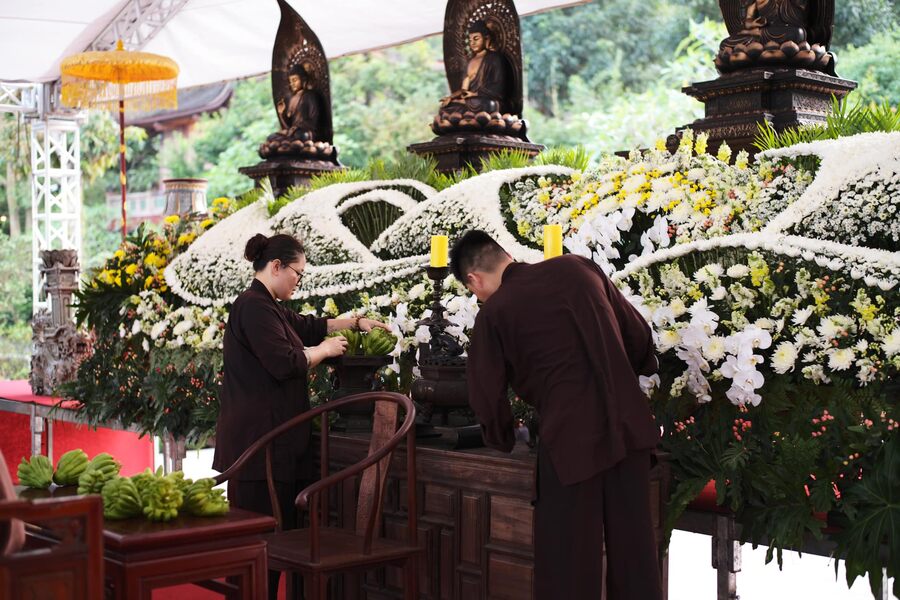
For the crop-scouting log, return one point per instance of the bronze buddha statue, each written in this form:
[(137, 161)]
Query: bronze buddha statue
[(788, 33), (484, 101)]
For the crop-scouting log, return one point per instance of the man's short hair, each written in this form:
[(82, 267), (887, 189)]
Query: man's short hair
[(475, 251)]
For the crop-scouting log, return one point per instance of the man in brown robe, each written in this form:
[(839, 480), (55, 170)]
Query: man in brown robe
[(563, 336)]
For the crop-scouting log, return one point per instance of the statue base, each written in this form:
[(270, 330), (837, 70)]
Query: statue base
[(287, 173), (735, 103), (454, 151)]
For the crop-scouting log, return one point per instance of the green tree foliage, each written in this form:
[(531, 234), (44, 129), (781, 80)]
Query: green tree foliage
[(876, 66)]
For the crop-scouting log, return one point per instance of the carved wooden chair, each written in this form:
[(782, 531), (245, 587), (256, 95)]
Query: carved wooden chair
[(63, 556), (320, 551)]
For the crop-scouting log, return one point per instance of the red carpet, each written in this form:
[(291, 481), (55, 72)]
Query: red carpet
[(135, 454), (192, 592)]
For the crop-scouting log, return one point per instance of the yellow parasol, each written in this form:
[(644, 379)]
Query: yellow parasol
[(107, 79)]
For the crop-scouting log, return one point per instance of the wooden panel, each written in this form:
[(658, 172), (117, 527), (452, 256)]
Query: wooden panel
[(447, 563), (511, 521), (475, 521), (470, 587), (439, 501), (471, 528), (509, 578)]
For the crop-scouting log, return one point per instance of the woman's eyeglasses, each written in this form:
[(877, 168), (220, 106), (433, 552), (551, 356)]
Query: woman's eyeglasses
[(299, 274)]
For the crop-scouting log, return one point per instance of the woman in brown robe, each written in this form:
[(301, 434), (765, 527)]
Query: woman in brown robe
[(268, 351)]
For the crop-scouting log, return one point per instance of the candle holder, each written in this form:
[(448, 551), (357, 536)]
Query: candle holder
[(442, 385)]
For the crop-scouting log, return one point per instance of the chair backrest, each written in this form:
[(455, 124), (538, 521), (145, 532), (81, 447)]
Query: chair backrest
[(64, 555), (12, 532), (372, 485), (385, 438)]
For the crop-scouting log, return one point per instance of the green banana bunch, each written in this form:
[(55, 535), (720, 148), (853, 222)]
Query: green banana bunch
[(70, 467), (121, 499), (101, 469), (142, 480), (36, 473), (161, 498), (181, 481), (378, 342), (354, 340), (202, 500)]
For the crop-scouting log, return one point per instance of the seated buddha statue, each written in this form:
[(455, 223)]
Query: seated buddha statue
[(299, 114), (774, 31), (482, 101)]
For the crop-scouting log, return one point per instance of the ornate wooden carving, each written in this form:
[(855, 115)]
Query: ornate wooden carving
[(737, 102), (58, 346)]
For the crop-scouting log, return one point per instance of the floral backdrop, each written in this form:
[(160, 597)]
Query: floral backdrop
[(770, 287)]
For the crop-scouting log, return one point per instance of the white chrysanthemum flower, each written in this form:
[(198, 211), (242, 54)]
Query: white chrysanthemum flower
[(738, 271), (784, 357), (182, 327), (840, 359), (714, 348), (718, 293), (891, 343), (678, 307), (668, 338), (765, 323)]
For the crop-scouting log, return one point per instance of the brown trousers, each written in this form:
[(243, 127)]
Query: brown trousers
[(572, 521), (254, 495)]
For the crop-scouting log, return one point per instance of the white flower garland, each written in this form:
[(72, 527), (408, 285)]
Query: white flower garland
[(473, 203), (876, 267), (844, 160), (214, 265)]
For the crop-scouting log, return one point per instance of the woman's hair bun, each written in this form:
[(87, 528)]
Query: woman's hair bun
[(255, 247)]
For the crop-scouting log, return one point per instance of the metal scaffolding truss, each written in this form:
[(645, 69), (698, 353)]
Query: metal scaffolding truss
[(55, 193), (137, 23), (22, 98)]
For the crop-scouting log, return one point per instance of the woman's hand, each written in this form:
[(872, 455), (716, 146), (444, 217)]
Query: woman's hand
[(334, 346), (370, 324)]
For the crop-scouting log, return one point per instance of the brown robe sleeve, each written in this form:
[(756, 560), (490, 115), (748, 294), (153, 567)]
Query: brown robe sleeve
[(487, 383), (264, 333), (311, 329), (636, 333)]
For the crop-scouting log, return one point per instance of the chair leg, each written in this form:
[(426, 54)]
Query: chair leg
[(411, 574)]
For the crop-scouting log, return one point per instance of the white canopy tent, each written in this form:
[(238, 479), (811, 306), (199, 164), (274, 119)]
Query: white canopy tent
[(211, 40)]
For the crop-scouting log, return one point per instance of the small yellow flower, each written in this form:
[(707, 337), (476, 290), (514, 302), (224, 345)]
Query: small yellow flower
[(120, 254), (148, 282), (221, 201), (206, 223), (172, 219), (660, 144), (700, 144), (131, 269)]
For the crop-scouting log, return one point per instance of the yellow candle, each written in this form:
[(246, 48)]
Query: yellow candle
[(552, 241), (439, 244)]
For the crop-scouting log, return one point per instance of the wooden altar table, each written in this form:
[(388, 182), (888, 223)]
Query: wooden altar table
[(475, 519), (140, 556)]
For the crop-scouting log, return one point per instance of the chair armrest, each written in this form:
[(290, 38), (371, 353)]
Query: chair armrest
[(303, 497)]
